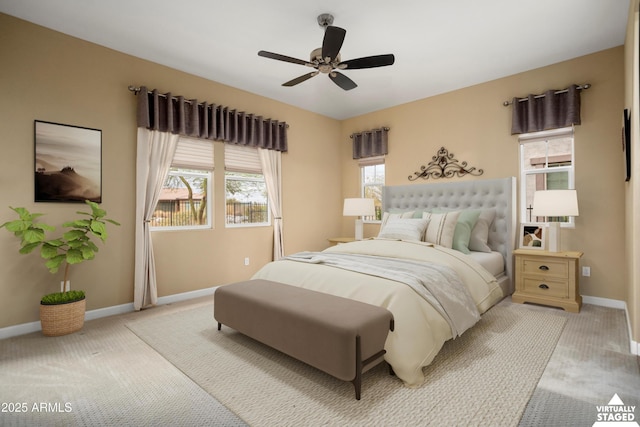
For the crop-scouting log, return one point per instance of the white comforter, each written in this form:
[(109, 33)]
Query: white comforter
[(420, 331)]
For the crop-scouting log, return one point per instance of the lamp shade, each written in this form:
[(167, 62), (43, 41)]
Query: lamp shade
[(555, 203), (358, 207)]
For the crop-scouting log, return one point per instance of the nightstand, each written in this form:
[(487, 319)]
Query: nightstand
[(548, 278), (338, 240)]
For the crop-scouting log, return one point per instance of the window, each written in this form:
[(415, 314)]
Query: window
[(245, 188), (546, 163), (372, 181), (185, 200)]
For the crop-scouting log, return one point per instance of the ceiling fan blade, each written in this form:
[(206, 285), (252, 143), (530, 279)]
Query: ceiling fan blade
[(343, 81), (332, 42), (300, 79), (368, 62), (284, 58)]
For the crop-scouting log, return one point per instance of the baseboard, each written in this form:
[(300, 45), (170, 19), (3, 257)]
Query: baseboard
[(634, 347), (186, 296), (27, 328)]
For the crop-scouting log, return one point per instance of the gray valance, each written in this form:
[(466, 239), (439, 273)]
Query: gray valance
[(554, 109), (370, 143), (167, 113)]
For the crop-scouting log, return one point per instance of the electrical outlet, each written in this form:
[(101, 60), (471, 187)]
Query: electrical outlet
[(586, 271), (246, 261)]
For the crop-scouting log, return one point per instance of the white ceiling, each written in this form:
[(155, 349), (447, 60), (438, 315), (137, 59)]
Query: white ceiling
[(439, 45)]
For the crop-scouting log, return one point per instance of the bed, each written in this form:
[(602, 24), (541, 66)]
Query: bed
[(435, 286)]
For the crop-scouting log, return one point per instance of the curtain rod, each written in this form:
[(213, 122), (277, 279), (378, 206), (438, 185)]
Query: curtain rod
[(136, 90), (580, 87), (372, 130)]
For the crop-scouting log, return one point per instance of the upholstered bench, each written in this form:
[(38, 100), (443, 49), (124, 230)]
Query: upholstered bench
[(339, 336)]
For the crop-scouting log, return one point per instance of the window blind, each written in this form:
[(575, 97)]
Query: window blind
[(239, 158), (371, 161), (193, 153)]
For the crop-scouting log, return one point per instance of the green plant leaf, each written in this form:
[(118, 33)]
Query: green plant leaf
[(74, 235), (43, 227), (55, 242), (78, 243), (33, 236), (99, 229), (17, 225), (29, 247), (54, 263), (87, 252), (96, 211), (79, 223), (74, 256), (48, 251)]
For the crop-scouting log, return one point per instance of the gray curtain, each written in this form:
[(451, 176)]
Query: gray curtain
[(556, 109), (370, 143), (166, 113)]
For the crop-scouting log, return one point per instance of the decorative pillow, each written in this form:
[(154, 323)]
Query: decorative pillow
[(480, 232), (387, 215), (462, 234), (404, 229), (441, 227)]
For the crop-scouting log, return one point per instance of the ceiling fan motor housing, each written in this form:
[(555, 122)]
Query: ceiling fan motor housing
[(323, 66)]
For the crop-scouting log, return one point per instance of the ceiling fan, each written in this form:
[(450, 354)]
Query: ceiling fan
[(326, 59)]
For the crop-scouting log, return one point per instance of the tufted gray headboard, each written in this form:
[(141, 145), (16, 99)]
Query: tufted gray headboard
[(499, 194)]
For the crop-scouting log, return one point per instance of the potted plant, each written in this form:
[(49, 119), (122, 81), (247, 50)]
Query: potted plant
[(62, 312)]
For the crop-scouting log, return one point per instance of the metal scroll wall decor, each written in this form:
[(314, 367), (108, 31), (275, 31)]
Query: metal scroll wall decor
[(444, 165)]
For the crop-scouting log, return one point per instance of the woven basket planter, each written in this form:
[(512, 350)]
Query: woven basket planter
[(62, 319)]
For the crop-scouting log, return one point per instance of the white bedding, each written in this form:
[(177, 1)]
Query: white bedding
[(420, 331), (493, 262)]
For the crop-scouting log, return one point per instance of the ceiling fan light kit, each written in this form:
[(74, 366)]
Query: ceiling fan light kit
[(327, 60)]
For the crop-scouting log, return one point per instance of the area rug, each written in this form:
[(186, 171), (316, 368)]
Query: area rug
[(485, 377)]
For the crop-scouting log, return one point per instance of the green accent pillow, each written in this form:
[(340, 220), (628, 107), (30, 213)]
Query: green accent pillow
[(462, 233)]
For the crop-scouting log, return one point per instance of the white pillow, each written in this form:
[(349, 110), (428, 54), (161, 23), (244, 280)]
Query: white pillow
[(480, 232), (404, 229), (441, 227), (387, 215)]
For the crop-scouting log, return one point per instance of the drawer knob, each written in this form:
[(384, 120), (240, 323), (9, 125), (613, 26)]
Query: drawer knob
[(544, 268), (543, 286)]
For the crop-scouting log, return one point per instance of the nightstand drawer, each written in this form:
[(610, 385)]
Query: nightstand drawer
[(551, 288), (546, 267)]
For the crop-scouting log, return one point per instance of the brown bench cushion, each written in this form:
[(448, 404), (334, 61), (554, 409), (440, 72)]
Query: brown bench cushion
[(316, 328)]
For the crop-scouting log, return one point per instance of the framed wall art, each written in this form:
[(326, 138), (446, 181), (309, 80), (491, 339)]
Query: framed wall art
[(68, 163), (532, 236)]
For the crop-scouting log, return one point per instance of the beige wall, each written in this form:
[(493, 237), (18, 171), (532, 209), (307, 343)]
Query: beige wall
[(473, 124), (49, 76)]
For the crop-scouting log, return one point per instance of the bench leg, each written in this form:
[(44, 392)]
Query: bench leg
[(360, 365), (219, 326), (357, 381)]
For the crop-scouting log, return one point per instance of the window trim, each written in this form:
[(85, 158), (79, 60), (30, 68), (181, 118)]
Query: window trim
[(368, 162), (546, 136), (244, 159)]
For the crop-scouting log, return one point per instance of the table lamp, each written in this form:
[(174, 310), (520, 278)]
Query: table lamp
[(358, 207), (555, 203)]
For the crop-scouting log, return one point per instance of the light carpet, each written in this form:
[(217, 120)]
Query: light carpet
[(485, 377)]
